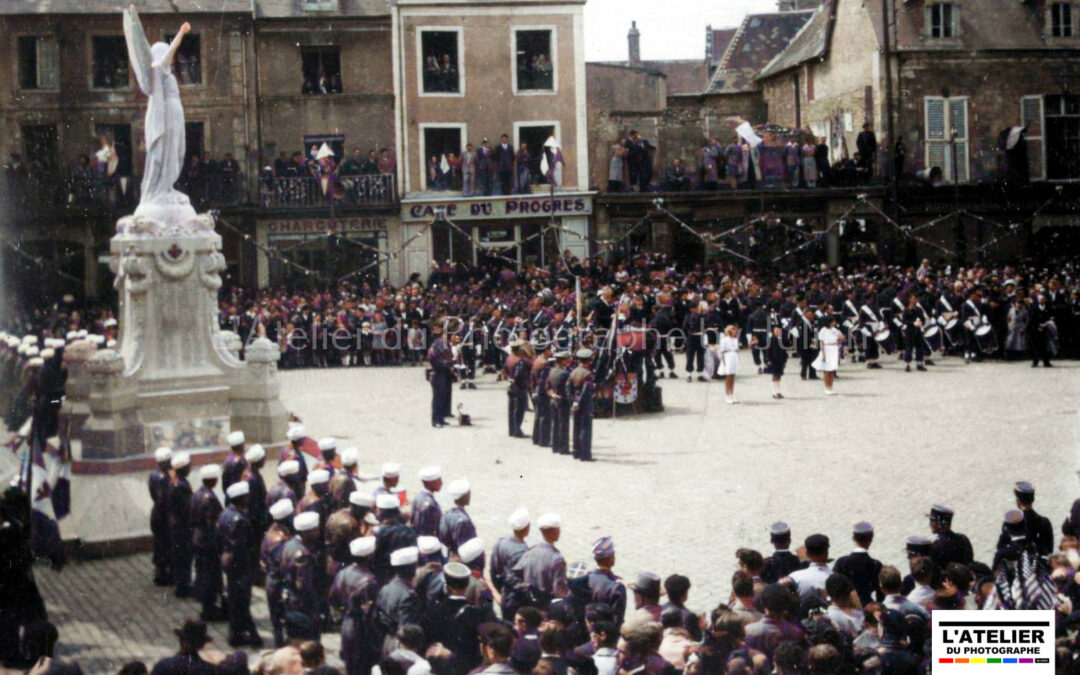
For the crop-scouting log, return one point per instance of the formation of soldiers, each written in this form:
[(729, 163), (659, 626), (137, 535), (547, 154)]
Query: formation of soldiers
[(336, 555)]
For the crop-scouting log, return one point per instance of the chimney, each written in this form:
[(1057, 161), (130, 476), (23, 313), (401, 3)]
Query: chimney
[(708, 43), (634, 40)]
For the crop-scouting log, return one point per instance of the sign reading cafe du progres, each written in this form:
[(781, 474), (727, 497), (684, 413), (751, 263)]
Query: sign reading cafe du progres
[(490, 208)]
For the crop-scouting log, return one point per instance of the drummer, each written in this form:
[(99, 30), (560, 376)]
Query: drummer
[(971, 316), (830, 339), (869, 325), (913, 337)]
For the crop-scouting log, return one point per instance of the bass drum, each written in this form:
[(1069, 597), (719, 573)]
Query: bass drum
[(985, 339), (932, 336)]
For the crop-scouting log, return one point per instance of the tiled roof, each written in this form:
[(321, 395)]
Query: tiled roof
[(8, 7), (759, 39), (811, 42), (721, 38)]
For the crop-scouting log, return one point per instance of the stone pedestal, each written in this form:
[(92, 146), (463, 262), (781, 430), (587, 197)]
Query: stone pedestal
[(174, 379), (75, 409)]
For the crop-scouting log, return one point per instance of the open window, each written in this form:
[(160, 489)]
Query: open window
[(321, 69), (535, 69), (534, 137), (39, 62), (439, 143), (109, 58), (187, 65), (1062, 115), (441, 62), (947, 145)]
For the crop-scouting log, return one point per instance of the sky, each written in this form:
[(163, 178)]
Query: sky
[(670, 29)]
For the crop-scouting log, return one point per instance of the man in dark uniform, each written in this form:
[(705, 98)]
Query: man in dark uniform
[(1037, 528), (453, 621), (806, 344), (456, 526), (579, 389), (758, 324), (328, 452), (1040, 316), (299, 574), (559, 404), (258, 504), (914, 345), (353, 591), (392, 533), (179, 515), (426, 512), (517, 371), (159, 517), (290, 487), (604, 585), (661, 327), (948, 546), (317, 499), (397, 603), (782, 562), (917, 547), (273, 543), (971, 318), (859, 567), (234, 531), (295, 453), (505, 556), (541, 366), (441, 359), (205, 509), (234, 466)]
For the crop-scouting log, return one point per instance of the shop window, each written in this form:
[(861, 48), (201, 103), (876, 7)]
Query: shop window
[(322, 70), (109, 57), (39, 63), (188, 62), (942, 20), (441, 65), (535, 67), (1061, 21)]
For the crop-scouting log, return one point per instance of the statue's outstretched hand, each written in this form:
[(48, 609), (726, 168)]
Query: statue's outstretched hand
[(186, 28)]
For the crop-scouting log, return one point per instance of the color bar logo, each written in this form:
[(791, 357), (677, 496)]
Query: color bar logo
[(1021, 639)]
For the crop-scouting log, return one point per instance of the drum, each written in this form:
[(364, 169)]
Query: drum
[(883, 336), (952, 323), (932, 336), (633, 339), (984, 338)]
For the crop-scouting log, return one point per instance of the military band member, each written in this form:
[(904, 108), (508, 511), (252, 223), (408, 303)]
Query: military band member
[(238, 544), (273, 542), (948, 546), (159, 517), (971, 319), (913, 338), (579, 389), (295, 453), (397, 603), (560, 404), (235, 465), (543, 568), (456, 527), (426, 512), (179, 514), (258, 510), (758, 327), (517, 370), (205, 509), (353, 591), (300, 578), (441, 359), (506, 554), (541, 431)]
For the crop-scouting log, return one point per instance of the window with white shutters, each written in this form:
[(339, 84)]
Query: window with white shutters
[(39, 62), (946, 123), (1031, 116)]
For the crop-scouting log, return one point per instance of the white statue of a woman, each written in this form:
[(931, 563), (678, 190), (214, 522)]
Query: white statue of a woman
[(160, 201)]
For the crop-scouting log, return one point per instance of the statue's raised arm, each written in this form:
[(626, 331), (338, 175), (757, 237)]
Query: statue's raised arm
[(160, 202)]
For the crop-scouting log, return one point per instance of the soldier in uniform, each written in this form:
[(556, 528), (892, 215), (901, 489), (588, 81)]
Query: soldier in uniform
[(391, 534), (179, 515), (1037, 527), (236, 534), (391, 473), (159, 517), (517, 371), (397, 603), (290, 487), (604, 585), (234, 466), (426, 512), (441, 359), (579, 389), (456, 527), (299, 575), (273, 542), (258, 503), (505, 556), (317, 499), (295, 452), (205, 509), (541, 366), (782, 562), (429, 576), (859, 567), (559, 404), (343, 482), (543, 568), (353, 591), (454, 622), (917, 547), (328, 451), (948, 546)]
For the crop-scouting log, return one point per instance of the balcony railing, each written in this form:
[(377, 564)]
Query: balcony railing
[(306, 191)]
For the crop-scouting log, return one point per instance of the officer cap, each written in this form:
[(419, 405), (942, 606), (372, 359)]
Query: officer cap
[(779, 529), (456, 571), (1024, 489), (862, 527)]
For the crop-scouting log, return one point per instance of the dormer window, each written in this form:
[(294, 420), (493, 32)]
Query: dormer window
[(942, 20)]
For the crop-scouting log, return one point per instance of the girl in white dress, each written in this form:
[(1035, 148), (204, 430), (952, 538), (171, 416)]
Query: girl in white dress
[(729, 361), (828, 360)]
